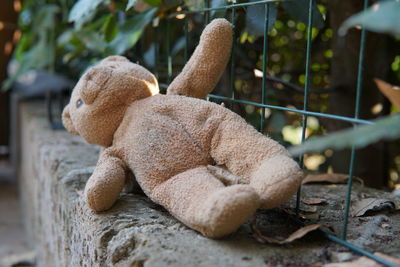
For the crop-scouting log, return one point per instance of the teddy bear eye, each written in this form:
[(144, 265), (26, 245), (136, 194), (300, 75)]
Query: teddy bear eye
[(79, 103)]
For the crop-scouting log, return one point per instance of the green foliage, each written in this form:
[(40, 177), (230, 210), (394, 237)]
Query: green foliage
[(194, 4), (387, 128), (255, 18), (383, 17), (84, 11), (131, 31), (68, 36), (154, 3), (36, 49), (130, 4), (299, 10), (220, 12), (110, 28)]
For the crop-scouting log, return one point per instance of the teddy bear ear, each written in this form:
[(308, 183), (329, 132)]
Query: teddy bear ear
[(115, 58), (95, 79)]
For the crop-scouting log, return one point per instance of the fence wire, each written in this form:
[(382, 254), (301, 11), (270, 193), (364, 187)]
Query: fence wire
[(305, 113)]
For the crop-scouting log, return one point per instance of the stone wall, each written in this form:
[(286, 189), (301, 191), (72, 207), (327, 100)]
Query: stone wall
[(135, 232)]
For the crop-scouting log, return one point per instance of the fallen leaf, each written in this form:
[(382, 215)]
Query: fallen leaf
[(390, 91), (362, 206), (309, 209), (333, 178), (365, 262), (313, 201), (310, 216), (222, 174), (294, 236)]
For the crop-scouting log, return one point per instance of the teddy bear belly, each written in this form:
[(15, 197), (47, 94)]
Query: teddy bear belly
[(158, 154)]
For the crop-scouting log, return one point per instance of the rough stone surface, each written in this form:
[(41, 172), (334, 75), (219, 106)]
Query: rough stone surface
[(13, 242), (137, 232)]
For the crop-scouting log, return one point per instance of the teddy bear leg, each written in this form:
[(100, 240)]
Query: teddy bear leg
[(106, 183), (276, 180), (257, 160), (203, 203)]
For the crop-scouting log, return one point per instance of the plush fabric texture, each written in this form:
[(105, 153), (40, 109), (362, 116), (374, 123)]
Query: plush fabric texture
[(174, 144), (205, 67)]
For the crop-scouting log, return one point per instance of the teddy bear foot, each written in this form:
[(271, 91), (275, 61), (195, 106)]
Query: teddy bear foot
[(276, 180), (226, 209)]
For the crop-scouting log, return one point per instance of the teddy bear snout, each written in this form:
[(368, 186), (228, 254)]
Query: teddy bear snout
[(67, 121)]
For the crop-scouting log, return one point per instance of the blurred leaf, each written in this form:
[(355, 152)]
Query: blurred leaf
[(255, 18), (83, 11), (22, 46), (130, 4), (153, 2), (141, 6), (65, 37), (178, 46), (44, 19), (36, 58), (110, 28), (149, 56), (93, 41), (299, 10), (167, 4), (35, 50), (194, 4), (131, 31), (277, 121), (387, 128), (220, 13), (390, 91), (383, 16)]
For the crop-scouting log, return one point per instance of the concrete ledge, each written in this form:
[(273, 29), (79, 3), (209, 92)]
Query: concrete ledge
[(135, 232)]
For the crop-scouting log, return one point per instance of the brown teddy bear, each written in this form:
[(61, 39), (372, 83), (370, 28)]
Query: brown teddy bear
[(172, 143)]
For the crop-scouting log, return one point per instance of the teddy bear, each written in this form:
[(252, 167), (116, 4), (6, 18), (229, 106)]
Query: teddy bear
[(173, 144)]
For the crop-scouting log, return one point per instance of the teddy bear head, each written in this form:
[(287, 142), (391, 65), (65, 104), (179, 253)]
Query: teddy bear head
[(101, 96)]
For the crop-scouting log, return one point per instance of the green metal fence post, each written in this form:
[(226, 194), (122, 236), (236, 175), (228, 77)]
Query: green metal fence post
[(360, 76), (265, 66)]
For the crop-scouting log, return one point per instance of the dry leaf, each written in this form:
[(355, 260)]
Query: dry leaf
[(313, 201), (362, 206), (333, 178), (294, 236), (309, 209), (390, 91), (222, 174), (365, 262)]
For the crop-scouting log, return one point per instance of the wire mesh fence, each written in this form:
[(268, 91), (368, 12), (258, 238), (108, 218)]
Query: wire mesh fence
[(232, 15)]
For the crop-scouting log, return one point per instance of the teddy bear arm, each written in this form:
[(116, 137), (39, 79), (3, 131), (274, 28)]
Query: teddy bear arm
[(205, 67), (107, 181)]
